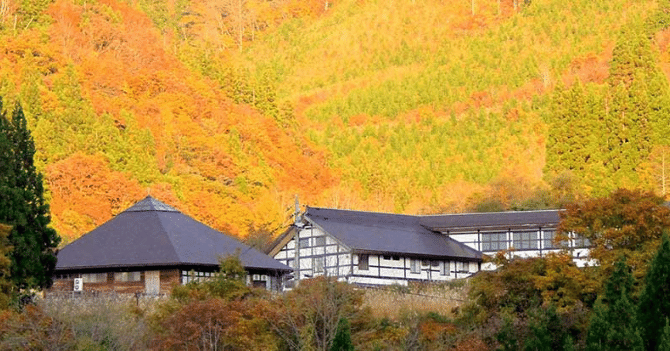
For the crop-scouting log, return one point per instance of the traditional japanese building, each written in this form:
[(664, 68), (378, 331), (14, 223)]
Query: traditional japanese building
[(370, 248), (151, 246)]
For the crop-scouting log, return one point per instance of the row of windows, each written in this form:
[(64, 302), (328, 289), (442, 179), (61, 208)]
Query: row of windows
[(415, 265), (525, 241), (102, 277)]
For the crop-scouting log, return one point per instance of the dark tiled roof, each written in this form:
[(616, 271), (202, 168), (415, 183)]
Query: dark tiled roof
[(387, 233), (491, 220), (151, 233)]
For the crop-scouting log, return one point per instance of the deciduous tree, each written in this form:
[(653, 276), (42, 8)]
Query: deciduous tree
[(626, 223)]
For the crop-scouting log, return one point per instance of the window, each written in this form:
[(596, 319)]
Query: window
[(127, 276), (290, 263), (581, 241), (525, 241), (444, 268), (193, 276), (320, 241), (494, 241), (459, 267), (303, 243), (414, 266), (434, 263), (387, 257), (363, 262), (473, 267), (548, 240), (94, 277), (319, 263), (396, 258)]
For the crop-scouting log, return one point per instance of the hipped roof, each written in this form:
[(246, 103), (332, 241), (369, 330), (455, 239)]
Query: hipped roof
[(151, 233), (388, 233)]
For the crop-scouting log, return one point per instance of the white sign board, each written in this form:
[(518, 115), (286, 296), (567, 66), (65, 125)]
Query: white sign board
[(78, 284)]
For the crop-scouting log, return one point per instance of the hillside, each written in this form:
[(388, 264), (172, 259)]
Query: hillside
[(228, 111)]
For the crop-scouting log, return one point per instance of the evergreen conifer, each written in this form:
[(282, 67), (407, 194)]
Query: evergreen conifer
[(342, 340), (22, 205), (654, 306), (613, 323), (664, 342)]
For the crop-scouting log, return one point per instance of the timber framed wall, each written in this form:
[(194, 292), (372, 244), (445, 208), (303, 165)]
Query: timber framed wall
[(322, 254)]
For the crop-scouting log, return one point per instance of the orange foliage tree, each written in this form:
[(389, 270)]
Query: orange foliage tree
[(86, 192)]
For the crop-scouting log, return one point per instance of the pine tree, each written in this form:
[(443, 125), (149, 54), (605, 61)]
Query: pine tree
[(613, 324), (654, 306), (22, 206)]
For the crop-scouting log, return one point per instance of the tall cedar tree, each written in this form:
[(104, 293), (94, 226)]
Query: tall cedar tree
[(628, 223), (654, 306), (613, 323), (22, 205)]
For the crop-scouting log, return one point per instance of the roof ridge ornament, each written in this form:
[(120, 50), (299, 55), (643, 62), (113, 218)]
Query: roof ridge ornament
[(150, 203)]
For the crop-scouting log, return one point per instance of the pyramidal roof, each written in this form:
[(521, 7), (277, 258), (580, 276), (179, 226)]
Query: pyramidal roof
[(153, 234)]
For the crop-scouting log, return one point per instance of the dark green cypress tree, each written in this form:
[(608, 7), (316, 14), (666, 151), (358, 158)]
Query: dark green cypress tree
[(654, 305), (23, 207), (613, 323), (342, 340)]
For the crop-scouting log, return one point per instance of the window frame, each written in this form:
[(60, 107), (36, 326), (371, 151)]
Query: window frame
[(363, 262), (494, 241), (525, 240), (414, 266)]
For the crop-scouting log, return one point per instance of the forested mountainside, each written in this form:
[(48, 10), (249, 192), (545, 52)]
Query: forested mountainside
[(227, 109)]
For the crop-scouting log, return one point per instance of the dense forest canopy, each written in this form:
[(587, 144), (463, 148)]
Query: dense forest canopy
[(228, 109)]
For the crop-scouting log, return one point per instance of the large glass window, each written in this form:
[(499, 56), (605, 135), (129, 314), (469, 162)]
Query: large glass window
[(525, 241), (548, 237), (320, 241), (494, 241)]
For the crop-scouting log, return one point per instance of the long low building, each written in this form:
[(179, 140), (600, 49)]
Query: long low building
[(371, 248), (150, 247)]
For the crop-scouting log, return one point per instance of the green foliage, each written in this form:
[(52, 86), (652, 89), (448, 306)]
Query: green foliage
[(613, 322), (654, 307), (664, 341), (547, 331), (228, 284), (22, 205), (342, 339)]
